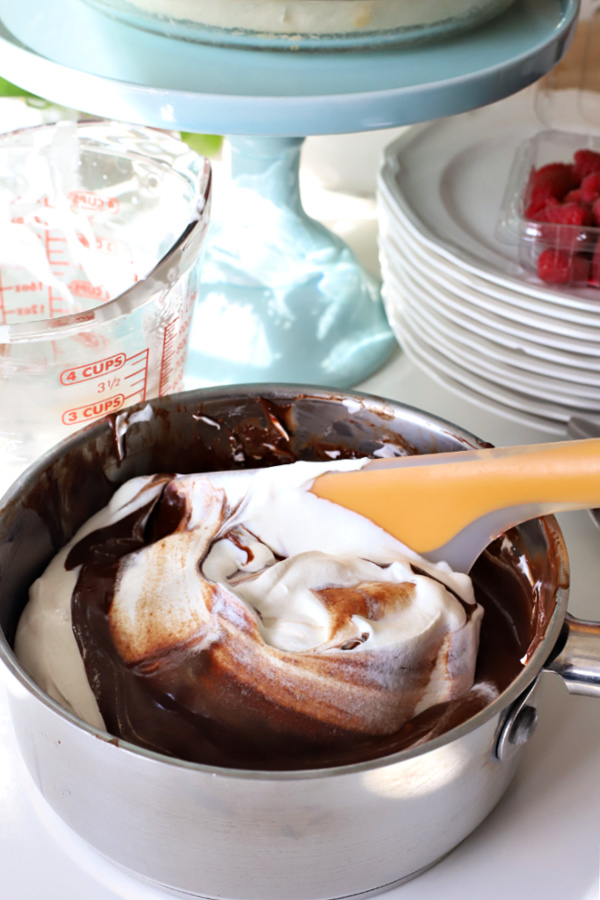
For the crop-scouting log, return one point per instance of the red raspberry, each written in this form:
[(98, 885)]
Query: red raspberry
[(560, 176), (547, 185), (561, 267), (590, 187), (539, 198), (596, 212), (564, 225), (586, 162), (575, 196), (565, 214)]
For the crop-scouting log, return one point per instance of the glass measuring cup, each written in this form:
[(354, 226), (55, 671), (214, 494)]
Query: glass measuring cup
[(101, 226)]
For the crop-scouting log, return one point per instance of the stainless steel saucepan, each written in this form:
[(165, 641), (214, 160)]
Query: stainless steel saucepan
[(286, 835)]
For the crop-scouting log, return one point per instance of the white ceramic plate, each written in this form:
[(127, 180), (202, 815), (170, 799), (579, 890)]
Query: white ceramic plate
[(554, 393), (518, 362), (518, 358), (510, 347), (470, 299), (530, 385), (446, 183), (531, 409), (485, 396), (487, 323), (585, 312)]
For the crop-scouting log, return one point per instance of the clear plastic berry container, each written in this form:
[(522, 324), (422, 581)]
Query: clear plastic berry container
[(551, 208)]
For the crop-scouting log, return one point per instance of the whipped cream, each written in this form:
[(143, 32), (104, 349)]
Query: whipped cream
[(317, 17), (274, 598)]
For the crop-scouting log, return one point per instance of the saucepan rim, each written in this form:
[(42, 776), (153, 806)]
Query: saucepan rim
[(533, 667)]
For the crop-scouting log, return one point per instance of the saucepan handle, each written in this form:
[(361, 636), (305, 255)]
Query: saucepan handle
[(577, 656)]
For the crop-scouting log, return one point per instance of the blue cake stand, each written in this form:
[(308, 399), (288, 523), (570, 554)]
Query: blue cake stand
[(282, 298)]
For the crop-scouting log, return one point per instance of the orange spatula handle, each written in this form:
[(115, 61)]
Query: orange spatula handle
[(425, 501)]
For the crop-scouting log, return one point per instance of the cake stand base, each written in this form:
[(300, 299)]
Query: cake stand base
[(281, 297)]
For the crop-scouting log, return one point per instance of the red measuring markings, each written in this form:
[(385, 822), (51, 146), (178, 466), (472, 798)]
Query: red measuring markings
[(83, 414), (175, 348), (118, 381), (169, 366), (138, 376), (93, 202), (93, 370), (80, 288), (30, 286), (26, 306), (102, 244), (56, 250)]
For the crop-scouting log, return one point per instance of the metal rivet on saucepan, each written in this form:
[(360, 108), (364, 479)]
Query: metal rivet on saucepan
[(518, 726)]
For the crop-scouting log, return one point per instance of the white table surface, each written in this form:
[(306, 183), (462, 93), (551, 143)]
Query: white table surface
[(541, 841)]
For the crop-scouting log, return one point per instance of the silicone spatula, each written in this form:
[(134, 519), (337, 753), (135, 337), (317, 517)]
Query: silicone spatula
[(450, 506)]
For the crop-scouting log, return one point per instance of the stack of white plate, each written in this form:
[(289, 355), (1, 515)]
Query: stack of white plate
[(458, 300)]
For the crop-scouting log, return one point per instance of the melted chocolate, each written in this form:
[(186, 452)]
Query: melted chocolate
[(224, 428), (182, 703)]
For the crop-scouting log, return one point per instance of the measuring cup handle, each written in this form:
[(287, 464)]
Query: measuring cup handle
[(577, 657)]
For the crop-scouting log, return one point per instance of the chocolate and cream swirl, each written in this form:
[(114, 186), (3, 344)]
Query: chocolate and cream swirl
[(238, 619)]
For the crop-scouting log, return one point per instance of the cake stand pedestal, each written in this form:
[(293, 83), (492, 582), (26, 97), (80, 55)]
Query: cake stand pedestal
[(282, 298)]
